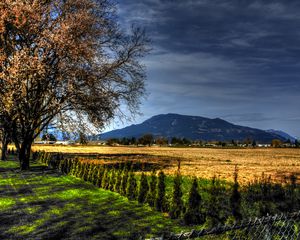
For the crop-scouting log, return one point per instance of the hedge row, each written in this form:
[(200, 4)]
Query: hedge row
[(216, 204), (122, 179)]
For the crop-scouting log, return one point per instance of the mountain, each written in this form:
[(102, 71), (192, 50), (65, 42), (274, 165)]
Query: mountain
[(282, 134), (192, 127)]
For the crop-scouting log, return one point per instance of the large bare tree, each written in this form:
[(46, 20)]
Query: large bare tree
[(66, 60)]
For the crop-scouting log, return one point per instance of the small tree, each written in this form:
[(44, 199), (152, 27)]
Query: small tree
[(297, 143), (193, 214), (131, 186), (105, 178), (216, 207), (146, 139), (152, 189), (124, 181), (95, 174), (143, 188), (112, 179), (48, 137), (235, 198), (80, 169), (118, 180), (82, 138), (74, 165), (161, 141), (276, 143), (176, 207), (100, 175), (90, 172), (86, 171), (160, 201)]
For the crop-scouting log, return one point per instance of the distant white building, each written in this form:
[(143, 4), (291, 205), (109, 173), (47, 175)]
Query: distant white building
[(44, 142), (264, 145), (68, 142)]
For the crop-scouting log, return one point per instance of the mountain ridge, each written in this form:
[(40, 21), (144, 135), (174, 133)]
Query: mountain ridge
[(192, 127), (282, 133)]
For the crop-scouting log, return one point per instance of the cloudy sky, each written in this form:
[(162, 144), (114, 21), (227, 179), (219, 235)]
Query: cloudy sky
[(234, 59)]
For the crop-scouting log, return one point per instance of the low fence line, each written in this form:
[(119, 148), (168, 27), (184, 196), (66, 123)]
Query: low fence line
[(245, 225)]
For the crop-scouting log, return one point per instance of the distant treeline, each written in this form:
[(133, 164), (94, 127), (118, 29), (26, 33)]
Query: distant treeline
[(149, 139), (191, 200)]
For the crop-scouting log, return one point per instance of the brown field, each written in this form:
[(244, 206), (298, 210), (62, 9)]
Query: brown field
[(206, 162)]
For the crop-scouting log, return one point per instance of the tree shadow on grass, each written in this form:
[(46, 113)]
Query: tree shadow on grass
[(47, 205)]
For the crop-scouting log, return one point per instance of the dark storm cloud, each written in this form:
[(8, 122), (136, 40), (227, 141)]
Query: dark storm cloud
[(222, 58)]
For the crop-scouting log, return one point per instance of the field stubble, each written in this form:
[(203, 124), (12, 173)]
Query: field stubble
[(206, 162)]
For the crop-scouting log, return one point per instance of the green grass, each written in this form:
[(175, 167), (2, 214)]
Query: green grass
[(42, 204)]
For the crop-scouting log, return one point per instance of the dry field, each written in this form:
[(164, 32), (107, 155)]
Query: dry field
[(207, 162)]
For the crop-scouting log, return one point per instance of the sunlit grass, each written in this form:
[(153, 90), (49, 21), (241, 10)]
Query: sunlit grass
[(6, 203), (9, 164), (47, 205), (32, 210)]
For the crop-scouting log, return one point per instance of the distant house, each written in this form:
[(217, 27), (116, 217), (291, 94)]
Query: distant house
[(68, 142), (102, 143), (44, 142), (264, 145)]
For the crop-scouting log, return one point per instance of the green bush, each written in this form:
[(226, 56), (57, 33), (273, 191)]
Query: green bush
[(150, 199), (217, 210), (94, 174), (112, 179), (105, 179), (160, 201), (143, 188), (124, 181), (176, 207), (131, 192), (118, 181), (193, 214), (100, 174), (235, 198)]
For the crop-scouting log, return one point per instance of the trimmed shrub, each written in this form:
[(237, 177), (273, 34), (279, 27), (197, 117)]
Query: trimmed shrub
[(105, 178), (95, 174), (112, 179), (131, 186), (160, 200), (100, 174), (176, 207), (118, 181), (193, 214), (124, 181), (80, 171), (62, 166), (143, 188), (90, 171), (217, 211), (152, 190), (86, 171), (235, 198)]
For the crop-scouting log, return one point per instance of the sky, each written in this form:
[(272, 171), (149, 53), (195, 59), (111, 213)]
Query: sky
[(237, 60)]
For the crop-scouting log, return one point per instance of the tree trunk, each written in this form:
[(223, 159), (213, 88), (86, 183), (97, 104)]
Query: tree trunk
[(4, 146), (4, 151), (24, 154)]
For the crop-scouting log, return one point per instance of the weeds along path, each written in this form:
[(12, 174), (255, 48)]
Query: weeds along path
[(42, 204)]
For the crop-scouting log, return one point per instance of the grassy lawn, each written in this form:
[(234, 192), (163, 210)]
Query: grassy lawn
[(43, 204)]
